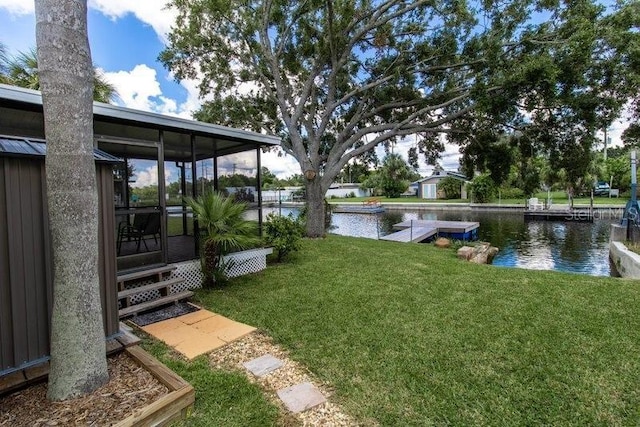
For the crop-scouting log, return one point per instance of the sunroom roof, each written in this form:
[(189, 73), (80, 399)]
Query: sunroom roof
[(21, 115), (21, 147)]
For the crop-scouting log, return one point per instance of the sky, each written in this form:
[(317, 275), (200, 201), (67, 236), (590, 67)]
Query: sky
[(126, 38)]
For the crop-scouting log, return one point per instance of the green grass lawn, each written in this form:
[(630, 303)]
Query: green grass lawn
[(175, 225), (408, 335), (222, 398)]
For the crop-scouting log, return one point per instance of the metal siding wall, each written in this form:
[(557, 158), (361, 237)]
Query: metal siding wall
[(26, 280), (39, 299), (27, 326), (107, 244), (6, 331)]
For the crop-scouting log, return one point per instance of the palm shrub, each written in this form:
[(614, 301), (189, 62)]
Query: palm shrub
[(22, 70), (284, 233), (395, 175), (221, 219)]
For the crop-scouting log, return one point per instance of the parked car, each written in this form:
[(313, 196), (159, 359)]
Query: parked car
[(601, 189)]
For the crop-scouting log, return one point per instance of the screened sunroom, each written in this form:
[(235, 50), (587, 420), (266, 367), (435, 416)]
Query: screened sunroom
[(163, 159)]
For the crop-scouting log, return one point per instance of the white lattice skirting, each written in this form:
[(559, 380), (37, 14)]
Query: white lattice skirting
[(190, 272), (236, 264), (246, 262)]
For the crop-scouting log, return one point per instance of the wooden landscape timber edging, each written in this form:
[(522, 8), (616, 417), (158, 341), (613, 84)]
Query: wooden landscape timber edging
[(174, 406), (39, 372)]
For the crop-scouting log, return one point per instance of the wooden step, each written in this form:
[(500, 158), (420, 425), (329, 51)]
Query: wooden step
[(156, 274), (137, 308), (158, 271), (150, 287)]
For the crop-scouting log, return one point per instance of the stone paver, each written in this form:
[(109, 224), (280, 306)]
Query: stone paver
[(195, 347), (173, 336), (163, 325), (197, 333), (300, 397), (213, 324), (233, 332), (262, 365), (196, 316)]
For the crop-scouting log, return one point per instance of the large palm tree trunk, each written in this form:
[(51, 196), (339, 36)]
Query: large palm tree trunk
[(78, 361)]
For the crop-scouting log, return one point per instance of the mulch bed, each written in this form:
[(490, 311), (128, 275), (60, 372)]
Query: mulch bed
[(130, 387)]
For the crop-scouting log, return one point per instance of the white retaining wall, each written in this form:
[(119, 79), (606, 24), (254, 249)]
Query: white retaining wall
[(626, 262)]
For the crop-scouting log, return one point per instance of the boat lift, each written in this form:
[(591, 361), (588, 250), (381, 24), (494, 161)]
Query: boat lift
[(631, 216)]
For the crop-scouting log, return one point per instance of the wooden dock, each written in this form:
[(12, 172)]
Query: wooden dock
[(358, 209), (415, 234), (420, 230), (579, 215)]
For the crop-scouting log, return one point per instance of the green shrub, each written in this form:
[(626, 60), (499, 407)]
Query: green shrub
[(451, 187), (392, 188), (284, 233), (482, 188), (511, 193)]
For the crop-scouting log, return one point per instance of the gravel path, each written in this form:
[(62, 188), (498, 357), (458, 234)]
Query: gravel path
[(254, 345)]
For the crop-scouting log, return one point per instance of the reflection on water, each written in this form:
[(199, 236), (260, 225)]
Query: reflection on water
[(541, 245)]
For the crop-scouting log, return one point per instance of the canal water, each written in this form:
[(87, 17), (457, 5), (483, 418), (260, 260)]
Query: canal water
[(576, 247)]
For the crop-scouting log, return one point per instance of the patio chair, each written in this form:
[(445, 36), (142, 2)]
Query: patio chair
[(144, 224), (535, 204)]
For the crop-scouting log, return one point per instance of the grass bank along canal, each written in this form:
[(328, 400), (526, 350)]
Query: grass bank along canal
[(577, 247)]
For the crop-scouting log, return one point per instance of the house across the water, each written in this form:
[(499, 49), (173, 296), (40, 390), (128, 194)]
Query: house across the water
[(428, 187)]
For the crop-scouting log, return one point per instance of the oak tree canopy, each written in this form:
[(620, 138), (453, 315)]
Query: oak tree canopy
[(337, 78)]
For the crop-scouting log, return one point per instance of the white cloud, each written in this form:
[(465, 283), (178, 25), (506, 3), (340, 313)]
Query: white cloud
[(18, 7), (614, 133), (449, 158), (149, 176), (150, 12), (282, 166), (191, 103), (136, 87), (139, 88)]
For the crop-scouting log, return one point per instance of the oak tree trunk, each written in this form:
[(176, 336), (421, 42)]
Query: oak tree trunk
[(78, 360), (315, 208)]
